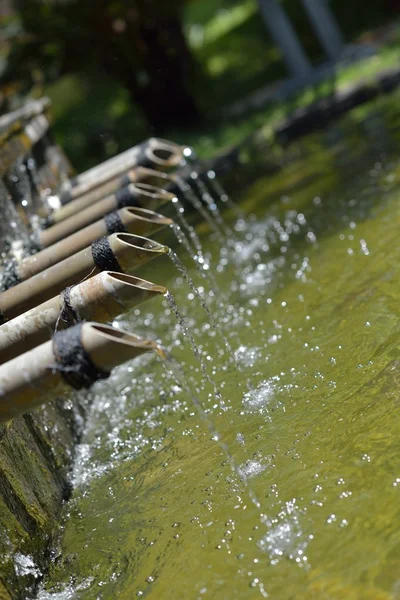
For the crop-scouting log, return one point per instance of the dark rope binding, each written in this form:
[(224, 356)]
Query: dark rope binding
[(72, 361), (65, 197), (124, 181), (142, 159), (68, 314), (125, 197), (103, 256), (114, 223)]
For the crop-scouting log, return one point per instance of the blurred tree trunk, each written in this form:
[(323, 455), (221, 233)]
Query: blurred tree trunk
[(149, 55), (139, 43)]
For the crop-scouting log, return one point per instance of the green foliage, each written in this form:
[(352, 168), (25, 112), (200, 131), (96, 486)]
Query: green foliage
[(95, 114)]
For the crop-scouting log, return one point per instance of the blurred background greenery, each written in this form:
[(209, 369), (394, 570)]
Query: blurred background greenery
[(121, 70)]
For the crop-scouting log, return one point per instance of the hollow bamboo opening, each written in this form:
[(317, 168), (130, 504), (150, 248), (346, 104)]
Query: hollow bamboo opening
[(108, 332), (147, 215), (164, 153), (136, 282), (137, 241)]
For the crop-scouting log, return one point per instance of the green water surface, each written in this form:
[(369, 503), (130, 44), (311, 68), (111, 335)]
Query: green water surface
[(309, 301)]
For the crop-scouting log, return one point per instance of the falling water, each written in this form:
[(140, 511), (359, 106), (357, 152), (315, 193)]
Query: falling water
[(190, 196), (190, 230), (18, 177), (217, 189), (33, 172), (13, 233), (211, 204), (196, 350), (202, 265), (201, 262), (180, 377), (183, 239), (217, 328)]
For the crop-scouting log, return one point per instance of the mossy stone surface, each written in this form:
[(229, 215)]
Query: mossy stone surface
[(36, 454)]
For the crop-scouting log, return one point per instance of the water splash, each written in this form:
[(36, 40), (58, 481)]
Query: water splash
[(190, 196), (209, 201), (13, 234), (216, 188), (202, 265), (183, 239), (186, 225), (241, 474), (196, 350), (214, 324)]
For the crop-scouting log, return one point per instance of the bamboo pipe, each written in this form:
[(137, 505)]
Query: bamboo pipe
[(64, 222), (138, 221), (136, 175), (122, 252), (100, 298), (74, 358), (155, 153)]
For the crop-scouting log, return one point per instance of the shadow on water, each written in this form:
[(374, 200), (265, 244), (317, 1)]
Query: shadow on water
[(314, 280)]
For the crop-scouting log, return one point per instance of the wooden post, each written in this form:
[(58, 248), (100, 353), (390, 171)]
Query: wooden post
[(285, 37), (325, 26)]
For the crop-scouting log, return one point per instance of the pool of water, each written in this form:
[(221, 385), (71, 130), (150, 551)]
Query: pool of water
[(286, 483)]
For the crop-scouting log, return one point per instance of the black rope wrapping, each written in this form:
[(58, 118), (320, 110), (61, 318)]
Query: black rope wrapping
[(46, 222), (65, 197), (142, 159), (10, 275), (72, 361), (68, 313), (114, 224), (124, 181), (125, 197), (103, 256)]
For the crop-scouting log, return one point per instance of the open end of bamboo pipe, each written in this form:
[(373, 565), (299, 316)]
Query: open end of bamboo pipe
[(134, 250), (146, 215), (100, 298), (153, 192), (137, 241), (131, 281), (108, 347), (164, 153), (76, 357), (146, 175), (158, 179)]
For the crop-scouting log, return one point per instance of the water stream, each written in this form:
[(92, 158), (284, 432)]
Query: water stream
[(211, 204), (191, 232), (214, 324), (194, 201), (215, 188)]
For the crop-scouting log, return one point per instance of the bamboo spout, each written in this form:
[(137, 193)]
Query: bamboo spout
[(138, 221), (119, 252), (100, 298), (134, 250), (67, 220), (74, 358), (157, 153), (135, 175), (151, 176), (162, 154)]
